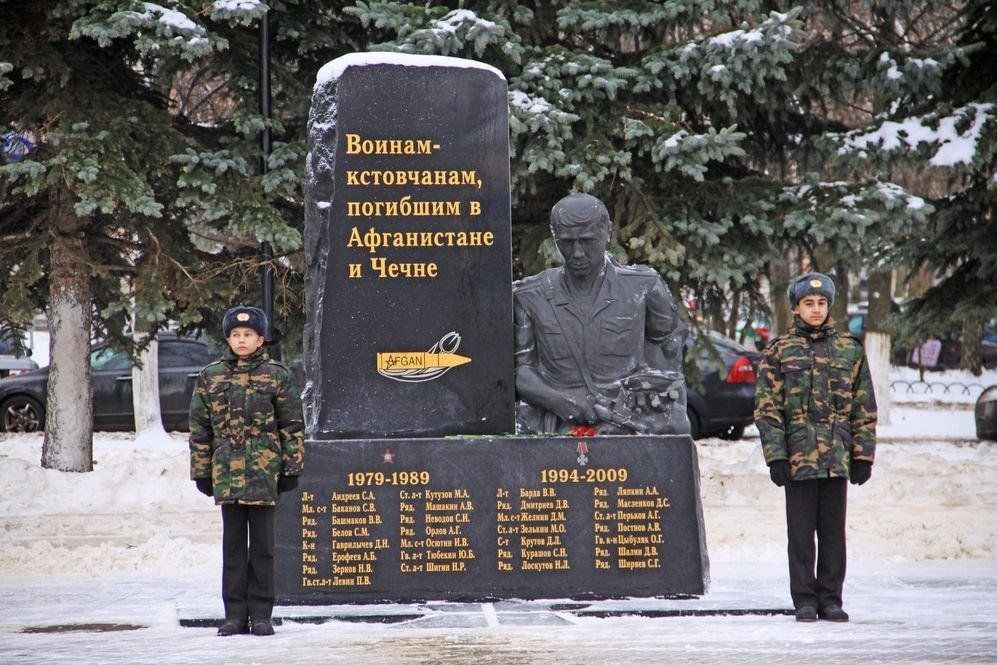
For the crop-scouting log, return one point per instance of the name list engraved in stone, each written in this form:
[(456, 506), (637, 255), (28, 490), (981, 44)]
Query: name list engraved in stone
[(355, 536), (432, 534), (627, 527), (530, 527)]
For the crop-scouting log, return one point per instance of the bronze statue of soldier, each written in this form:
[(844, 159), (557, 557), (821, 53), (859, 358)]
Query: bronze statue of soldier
[(598, 345)]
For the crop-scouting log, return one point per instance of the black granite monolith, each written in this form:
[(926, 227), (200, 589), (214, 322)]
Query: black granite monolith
[(407, 233)]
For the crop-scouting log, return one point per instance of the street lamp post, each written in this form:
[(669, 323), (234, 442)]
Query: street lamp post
[(266, 250)]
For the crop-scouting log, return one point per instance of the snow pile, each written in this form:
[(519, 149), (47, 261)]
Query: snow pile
[(138, 509), (931, 500)]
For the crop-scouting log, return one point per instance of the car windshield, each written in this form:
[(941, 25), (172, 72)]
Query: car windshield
[(108, 358)]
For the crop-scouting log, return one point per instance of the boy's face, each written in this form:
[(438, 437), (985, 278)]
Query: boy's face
[(244, 341), (812, 309)]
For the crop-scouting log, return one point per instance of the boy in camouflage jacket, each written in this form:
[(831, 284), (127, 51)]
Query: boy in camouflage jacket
[(246, 447), (816, 414)]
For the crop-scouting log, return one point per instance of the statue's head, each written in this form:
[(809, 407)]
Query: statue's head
[(580, 224)]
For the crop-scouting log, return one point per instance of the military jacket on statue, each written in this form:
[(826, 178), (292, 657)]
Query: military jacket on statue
[(814, 402), (245, 428)]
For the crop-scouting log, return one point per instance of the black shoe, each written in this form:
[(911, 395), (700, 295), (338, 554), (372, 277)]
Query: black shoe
[(833, 613), (233, 627), (806, 613), (261, 627)]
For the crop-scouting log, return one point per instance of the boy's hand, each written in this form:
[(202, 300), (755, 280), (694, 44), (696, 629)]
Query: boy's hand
[(204, 486), (861, 472), (286, 483), (779, 472)]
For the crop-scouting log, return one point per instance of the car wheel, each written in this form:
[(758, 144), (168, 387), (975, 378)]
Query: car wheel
[(733, 433), (22, 414), (695, 429)]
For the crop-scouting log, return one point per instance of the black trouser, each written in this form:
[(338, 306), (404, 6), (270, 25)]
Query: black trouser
[(816, 506), (247, 574)]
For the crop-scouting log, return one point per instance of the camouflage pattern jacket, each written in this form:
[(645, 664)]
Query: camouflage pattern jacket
[(814, 402), (245, 428)]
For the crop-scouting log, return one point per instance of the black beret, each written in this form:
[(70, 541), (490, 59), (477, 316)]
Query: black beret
[(808, 284), (246, 317)]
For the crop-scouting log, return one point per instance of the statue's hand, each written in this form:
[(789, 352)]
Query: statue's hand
[(578, 408)]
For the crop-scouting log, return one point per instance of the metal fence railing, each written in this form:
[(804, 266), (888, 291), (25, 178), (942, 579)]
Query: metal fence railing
[(935, 388)]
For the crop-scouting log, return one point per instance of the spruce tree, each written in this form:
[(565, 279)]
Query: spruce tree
[(130, 182), (940, 129)]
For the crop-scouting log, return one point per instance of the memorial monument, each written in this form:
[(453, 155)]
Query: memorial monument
[(417, 485)]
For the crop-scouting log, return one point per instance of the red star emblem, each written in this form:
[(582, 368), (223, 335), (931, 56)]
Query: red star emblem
[(388, 456)]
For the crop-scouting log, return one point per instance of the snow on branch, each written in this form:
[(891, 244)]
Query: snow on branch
[(453, 33), (155, 28), (690, 153), (727, 64), (239, 11), (953, 146)]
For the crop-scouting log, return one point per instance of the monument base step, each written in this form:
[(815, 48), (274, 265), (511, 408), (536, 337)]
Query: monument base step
[(472, 615)]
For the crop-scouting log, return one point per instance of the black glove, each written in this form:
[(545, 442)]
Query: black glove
[(286, 484), (861, 472), (204, 486), (779, 472)]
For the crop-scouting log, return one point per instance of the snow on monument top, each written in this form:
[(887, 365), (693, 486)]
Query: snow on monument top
[(333, 69)]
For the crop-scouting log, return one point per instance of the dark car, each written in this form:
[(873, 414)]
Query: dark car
[(986, 414), (22, 397), (724, 404)]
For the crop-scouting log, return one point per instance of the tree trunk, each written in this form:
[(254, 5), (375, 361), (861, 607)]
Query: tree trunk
[(972, 347), (735, 313), (839, 309), (145, 388), (782, 319), (68, 443), (877, 342)]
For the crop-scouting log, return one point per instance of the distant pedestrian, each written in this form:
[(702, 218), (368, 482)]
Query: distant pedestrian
[(246, 447), (816, 413)]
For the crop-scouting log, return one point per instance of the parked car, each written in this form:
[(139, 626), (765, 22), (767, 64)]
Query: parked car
[(725, 404), (14, 357), (23, 397), (986, 414)]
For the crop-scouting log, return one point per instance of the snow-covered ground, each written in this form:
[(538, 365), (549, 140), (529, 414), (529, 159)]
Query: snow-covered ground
[(134, 543)]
